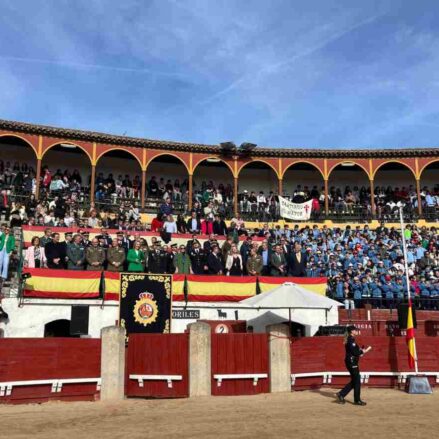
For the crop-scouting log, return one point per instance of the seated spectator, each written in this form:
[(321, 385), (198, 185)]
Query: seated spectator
[(157, 223), (166, 208), (194, 224), (93, 221)]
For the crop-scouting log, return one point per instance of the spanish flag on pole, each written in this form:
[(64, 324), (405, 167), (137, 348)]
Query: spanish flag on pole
[(410, 336)]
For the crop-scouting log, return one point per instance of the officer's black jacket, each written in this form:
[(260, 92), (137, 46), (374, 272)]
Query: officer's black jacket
[(353, 352)]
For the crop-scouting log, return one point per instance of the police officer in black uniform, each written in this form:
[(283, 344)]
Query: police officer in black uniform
[(158, 260), (352, 357)]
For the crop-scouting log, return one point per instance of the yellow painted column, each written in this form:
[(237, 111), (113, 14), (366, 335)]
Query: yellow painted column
[(190, 191), (372, 198), (235, 196), (92, 183), (326, 198), (38, 178), (142, 192), (418, 193)]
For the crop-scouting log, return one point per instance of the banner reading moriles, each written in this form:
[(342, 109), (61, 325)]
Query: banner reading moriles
[(295, 211)]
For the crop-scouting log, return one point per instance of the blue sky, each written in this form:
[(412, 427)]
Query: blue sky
[(280, 73)]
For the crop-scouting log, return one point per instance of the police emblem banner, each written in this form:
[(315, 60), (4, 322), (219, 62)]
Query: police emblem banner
[(145, 303), (295, 211)]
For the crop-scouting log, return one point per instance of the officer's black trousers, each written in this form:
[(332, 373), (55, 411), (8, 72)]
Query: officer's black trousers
[(354, 383)]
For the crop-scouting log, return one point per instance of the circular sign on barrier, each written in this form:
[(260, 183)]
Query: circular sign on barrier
[(221, 329)]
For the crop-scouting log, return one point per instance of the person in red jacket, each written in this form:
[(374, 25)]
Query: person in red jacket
[(207, 227), (157, 223)]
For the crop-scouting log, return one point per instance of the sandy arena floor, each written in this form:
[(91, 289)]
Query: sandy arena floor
[(310, 414)]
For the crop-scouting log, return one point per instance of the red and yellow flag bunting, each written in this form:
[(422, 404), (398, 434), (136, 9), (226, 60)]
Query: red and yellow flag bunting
[(410, 337), (62, 284)]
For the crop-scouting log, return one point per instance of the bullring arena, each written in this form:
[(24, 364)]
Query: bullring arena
[(159, 287)]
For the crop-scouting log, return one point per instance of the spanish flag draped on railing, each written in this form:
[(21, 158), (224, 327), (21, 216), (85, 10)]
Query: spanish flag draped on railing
[(410, 337), (70, 284), (62, 284), (200, 288)]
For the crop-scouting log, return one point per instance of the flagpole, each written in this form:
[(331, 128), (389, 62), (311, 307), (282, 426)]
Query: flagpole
[(406, 269)]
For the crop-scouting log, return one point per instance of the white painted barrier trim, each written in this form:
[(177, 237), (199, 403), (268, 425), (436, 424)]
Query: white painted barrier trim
[(168, 378), (57, 383), (239, 376), (327, 376)]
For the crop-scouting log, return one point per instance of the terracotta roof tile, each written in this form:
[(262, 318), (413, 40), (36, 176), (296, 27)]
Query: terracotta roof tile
[(91, 136)]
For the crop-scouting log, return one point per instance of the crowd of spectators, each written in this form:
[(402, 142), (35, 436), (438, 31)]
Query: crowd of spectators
[(362, 265), (113, 191)]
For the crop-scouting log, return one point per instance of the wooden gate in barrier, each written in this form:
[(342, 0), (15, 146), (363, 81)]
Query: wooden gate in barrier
[(157, 366), (239, 364)]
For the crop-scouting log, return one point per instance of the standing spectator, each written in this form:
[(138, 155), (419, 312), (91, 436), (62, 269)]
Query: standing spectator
[(47, 237), (4, 204), (95, 256), (278, 262), (136, 258), (298, 262), (182, 262), (198, 259), (254, 263), (76, 254), (215, 261), (116, 256), (234, 266), (55, 253), (265, 253), (158, 260), (245, 250), (7, 245), (34, 256)]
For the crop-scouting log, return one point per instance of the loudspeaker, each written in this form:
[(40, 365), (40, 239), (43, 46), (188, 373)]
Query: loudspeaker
[(403, 309), (79, 320)]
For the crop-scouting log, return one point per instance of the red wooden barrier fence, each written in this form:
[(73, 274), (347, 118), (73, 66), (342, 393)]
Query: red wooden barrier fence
[(37, 359), (239, 354), (389, 354), (382, 314), (162, 361), (425, 328)]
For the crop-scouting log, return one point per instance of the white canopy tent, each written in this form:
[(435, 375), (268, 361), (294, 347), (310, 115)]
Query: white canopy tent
[(291, 302)]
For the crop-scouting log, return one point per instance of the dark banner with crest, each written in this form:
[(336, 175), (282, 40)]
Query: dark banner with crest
[(145, 303)]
